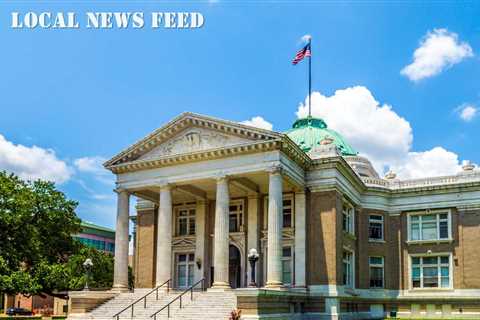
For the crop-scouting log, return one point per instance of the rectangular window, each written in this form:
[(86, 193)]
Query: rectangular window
[(376, 272), (434, 226), (287, 213), (375, 227), (185, 222), (185, 270), (236, 216), (348, 213), (347, 269), (287, 265), (430, 272)]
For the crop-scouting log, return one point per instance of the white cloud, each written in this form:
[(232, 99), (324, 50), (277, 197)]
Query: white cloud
[(378, 133), (438, 50), (258, 122), (90, 164), (467, 112), (32, 163), (435, 162), (364, 123), (94, 165)]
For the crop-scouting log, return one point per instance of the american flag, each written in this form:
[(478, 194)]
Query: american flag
[(302, 53)]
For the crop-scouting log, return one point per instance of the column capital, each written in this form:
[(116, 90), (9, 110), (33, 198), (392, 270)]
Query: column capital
[(165, 186), (221, 177), (275, 169), (120, 190)]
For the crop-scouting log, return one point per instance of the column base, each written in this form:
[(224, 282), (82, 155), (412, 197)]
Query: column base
[(274, 285), (220, 286), (119, 288)]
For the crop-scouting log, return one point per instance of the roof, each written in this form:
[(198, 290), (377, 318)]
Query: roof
[(310, 132), (91, 228), (155, 150)]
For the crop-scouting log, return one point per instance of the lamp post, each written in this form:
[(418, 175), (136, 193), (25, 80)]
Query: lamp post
[(252, 258), (87, 265)]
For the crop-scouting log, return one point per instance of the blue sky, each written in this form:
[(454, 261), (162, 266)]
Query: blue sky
[(71, 98)]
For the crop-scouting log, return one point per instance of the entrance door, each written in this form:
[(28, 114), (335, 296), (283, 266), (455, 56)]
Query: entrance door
[(234, 270), (185, 270)]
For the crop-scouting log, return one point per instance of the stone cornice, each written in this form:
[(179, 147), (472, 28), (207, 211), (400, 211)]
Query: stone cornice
[(211, 154), (182, 122)]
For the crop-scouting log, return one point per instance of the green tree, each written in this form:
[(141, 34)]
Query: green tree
[(37, 252)]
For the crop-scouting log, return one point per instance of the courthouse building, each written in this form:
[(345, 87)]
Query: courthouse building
[(335, 240)]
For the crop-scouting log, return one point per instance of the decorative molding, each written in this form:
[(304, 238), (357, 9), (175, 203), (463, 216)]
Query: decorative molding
[(183, 242), (189, 120)]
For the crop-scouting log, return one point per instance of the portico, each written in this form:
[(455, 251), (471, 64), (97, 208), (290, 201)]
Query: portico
[(209, 190)]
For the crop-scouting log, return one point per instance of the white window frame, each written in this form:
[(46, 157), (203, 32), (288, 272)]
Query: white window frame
[(430, 212), (290, 259), (177, 220), (240, 214), (189, 268), (440, 254), (376, 265), (382, 222), (350, 214), (352, 268), (287, 196)]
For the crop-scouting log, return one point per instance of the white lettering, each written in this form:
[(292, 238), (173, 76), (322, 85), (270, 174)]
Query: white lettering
[(138, 21), (15, 22), (92, 20), (170, 20), (196, 20), (157, 18), (122, 19), (41, 19), (31, 20)]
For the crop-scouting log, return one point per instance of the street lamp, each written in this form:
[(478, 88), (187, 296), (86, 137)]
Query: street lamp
[(87, 265), (253, 258)]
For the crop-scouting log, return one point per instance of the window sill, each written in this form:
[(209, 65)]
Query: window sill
[(376, 241), (438, 241), (426, 290)]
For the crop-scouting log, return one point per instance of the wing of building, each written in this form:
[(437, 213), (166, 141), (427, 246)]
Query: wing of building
[(334, 239)]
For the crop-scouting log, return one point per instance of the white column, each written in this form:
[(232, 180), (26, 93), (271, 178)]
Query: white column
[(221, 239), (275, 224), (200, 213), (164, 236), (300, 238), (120, 270), (252, 234)]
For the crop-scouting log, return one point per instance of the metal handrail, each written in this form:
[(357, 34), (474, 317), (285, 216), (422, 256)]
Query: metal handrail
[(167, 306), (117, 315)]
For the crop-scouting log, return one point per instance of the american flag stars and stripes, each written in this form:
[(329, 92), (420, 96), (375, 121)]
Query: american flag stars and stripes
[(302, 53)]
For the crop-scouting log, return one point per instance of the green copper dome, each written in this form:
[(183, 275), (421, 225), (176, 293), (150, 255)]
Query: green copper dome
[(310, 132)]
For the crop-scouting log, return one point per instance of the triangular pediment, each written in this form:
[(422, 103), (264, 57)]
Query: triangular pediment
[(191, 133), (193, 139)]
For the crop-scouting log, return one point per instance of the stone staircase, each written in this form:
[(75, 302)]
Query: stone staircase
[(210, 305)]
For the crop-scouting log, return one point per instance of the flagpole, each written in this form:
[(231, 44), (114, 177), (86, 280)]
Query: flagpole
[(310, 80)]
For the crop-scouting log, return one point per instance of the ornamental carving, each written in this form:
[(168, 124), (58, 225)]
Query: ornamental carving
[(183, 242), (192, 140)]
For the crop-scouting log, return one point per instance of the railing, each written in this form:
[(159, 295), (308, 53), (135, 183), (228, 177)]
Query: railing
[(179, 297), (423, 182), (144, 298)]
